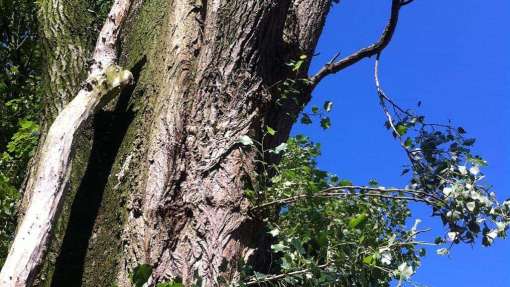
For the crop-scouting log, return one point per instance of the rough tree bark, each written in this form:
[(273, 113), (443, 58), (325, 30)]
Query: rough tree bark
[(165, 178)]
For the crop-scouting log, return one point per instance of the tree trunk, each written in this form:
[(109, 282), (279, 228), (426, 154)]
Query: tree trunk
[(165, 178), (67, 32), (53, 167)]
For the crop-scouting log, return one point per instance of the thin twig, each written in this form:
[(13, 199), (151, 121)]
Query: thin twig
[(405, 2)]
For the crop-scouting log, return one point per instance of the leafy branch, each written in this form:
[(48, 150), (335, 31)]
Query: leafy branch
[(445, 168), (358, 191)]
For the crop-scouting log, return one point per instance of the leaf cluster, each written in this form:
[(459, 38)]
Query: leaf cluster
[(20, 94), (347, 241)]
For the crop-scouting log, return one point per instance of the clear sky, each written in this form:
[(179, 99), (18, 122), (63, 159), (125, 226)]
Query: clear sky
[(451, 55)]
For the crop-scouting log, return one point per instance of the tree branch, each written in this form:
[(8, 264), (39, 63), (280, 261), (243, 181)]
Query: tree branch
[(375, 48), (344, 191), (49, 182), (280, 276)]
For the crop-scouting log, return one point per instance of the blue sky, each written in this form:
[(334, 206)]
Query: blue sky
[(452, 56)]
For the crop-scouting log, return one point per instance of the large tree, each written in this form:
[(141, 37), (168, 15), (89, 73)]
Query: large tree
[(159, 174)]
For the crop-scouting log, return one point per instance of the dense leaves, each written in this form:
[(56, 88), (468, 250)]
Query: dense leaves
[(447, 175), (8, 197), (344, 240), (19, 104)]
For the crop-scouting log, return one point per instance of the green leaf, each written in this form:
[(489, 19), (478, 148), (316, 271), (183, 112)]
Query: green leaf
[(297, 65), (141, 274), (328, 105), (280, 148), (279, 247), (305, 119), (369, 260), (359, 220), (438, 240), (315, 109), (270, 130), (345, 182), (401, 129), (442, 251), (408, 142), (245, 140), (14, 70), (325, 123), (174, 283), (469, 142), (274, 232)]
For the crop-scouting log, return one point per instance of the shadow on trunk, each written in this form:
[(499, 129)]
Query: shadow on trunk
[(109, 131)]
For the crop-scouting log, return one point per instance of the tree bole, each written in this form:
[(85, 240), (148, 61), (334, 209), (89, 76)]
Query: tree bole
[(207, 76)]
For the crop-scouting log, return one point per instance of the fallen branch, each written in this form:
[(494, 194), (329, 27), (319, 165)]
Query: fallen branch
[(54, 165)]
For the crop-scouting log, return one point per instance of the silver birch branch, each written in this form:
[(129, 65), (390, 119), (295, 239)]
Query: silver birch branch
[(53, 168)]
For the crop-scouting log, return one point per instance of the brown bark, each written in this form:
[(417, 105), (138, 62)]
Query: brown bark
[(206, 74), (187, 214)]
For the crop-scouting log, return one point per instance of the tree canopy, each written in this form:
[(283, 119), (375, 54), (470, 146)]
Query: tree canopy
[(321, 229)]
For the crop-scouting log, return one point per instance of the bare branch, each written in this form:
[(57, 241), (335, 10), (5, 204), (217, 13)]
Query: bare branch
[(405, 2), (375, 48)]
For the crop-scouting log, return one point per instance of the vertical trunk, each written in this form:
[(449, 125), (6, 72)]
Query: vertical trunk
[(187, 216), (63, 27), (67, 33), (167, 188), (52, 170)]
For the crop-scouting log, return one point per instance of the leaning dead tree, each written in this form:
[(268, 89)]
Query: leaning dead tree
[(54, 165), (206, 74)]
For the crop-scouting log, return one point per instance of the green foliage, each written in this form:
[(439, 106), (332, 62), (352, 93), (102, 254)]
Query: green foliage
[(345, 241), (19, 150), (140, 275), (20, 58), (322, 115), (8, 199), (19, 66), (449, 176), (170, 284)]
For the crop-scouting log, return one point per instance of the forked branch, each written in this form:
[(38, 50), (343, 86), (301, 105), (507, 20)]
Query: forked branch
[(373, 49)]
